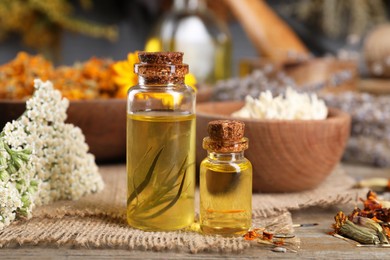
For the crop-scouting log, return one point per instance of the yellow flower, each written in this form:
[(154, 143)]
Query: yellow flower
[(171, 100), (168, 100), (190, 80), (153, 45), (125, 77)]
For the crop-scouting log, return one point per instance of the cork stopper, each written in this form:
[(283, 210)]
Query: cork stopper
[(225, 136), (227, 130), (161, 57), (161, 67)]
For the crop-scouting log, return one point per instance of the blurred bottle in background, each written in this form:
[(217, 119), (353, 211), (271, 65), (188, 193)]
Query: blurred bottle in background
[(190, 27)]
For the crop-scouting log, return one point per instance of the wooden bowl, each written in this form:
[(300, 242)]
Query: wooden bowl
[(103, 123), (287, 156)]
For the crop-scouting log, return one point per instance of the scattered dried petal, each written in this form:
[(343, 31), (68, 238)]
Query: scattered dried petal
[(279, 249)]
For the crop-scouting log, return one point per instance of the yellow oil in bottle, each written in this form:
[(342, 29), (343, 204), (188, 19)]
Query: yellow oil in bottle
[(226, 197), (160, 170)]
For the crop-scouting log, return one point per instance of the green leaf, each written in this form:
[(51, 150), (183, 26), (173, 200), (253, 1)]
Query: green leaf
[(145, 182), (157, 199), (175, 199), (172, 180)]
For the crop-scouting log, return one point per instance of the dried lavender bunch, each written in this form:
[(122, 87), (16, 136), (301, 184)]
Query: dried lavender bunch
[(363, 107), (253, 84), (370, 136), (269, 78), (380, 131), (368, 150)]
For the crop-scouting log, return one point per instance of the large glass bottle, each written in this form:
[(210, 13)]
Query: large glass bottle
[(225, 180), (191, 28), (160, 144)]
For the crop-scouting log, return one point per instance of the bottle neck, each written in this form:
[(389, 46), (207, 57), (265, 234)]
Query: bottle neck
[(166, 81), (160, 74), (229, 156), (189, 5)]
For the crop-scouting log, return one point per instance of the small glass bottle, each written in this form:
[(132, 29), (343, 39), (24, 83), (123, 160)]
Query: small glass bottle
[(160, 144), (190, 27), (225, 180)]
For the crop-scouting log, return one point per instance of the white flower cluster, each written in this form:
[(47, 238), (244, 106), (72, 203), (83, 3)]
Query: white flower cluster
[(291, 107), (17, 183), (55, 154), (10, 202)]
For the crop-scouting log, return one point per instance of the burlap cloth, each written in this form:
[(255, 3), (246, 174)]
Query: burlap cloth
[(99, 220)]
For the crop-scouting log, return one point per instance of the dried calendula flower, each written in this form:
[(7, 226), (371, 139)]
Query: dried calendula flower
[(253, 234), (260, 235), (375, 208), (267, 235), (92, 79), (347, 228)]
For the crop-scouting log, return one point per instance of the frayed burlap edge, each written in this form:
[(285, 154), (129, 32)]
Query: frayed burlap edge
[(107, 232), (98, 220)]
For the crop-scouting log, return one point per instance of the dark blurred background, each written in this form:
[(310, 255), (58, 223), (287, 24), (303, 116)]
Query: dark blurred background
[(135, 19)]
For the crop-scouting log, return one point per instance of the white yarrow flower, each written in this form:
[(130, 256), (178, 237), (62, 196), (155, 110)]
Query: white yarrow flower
[(39, 151)]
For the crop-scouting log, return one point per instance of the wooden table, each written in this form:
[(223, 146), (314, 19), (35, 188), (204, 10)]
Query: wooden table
[(315, 242)]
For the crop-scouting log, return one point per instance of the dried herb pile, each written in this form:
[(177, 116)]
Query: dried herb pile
[(88, 80), (95, 78), (280, 243), (370, 225)]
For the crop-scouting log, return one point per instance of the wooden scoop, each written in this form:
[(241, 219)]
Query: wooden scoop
[(271, 36)]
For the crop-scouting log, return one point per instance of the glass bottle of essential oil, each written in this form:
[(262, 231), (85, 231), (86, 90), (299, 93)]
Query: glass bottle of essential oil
[(160, 144), (192, 28), (225, 180)]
